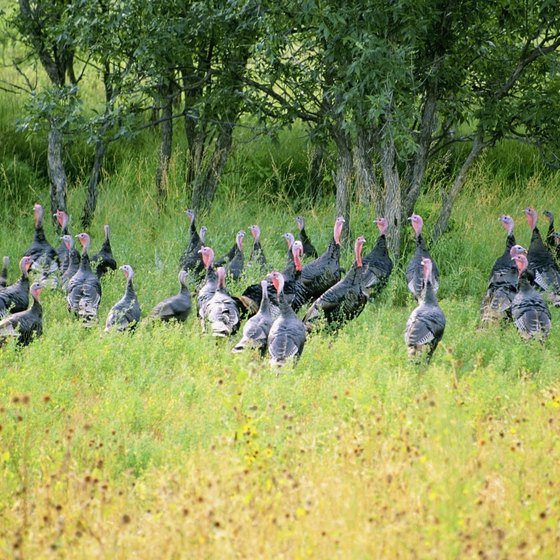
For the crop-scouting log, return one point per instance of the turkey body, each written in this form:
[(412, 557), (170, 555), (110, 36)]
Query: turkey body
[(125, 314), (176, 307), (103, 260), (26, 324)]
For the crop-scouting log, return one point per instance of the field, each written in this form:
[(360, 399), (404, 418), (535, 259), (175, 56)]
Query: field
[(164, 444)]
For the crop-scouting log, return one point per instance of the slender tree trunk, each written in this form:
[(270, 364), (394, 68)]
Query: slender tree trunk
[(392, 210), (56, 172), (441, 225), (92, 191), (166, 127), (343, 178), (316, 159), (369, 189)]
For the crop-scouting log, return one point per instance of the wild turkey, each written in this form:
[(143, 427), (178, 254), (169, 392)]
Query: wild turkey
[(286, 338), (84, 289), (15, 298), (550, 233), (72, 261), (45, 259), (26, 324), (377, 264), (426, 324), (209, 287), (308, 248), (62, 251), (257, 255), (4, 272), (256, 329), (530, 312), (175, 307), (556, 238), (222, 311), (541, 261), (345, 300), (191, 260), (104, 260), (235, 266), (502, 284), (319, 275), (125, 314), (414, 275)]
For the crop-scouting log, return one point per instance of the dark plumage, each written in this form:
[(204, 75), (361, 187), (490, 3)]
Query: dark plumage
[(530, 312), (256, 329), (24, 324), (104, 261), (377, 263), (84, 289), (550, 232), (319, 275), (235, 266), (209, 287), (45, 259), (4, 272), (15, 298), (426, 324), (222, 312), (414, 275), (72, 261), (257, 255), (191, 260), (308, 248), (345, 300), (502, 284), (62, 251), (175, 307), (286, 338), (125, 314)]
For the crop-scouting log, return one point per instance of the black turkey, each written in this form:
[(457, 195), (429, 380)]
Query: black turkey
[(62, 251), (45, 259), (175, 307), (550, 232), (15, 298), (257, 255), (308, 248), (426, 324), (541, 262), (256, 329), (502, 284), (191, 259), (345, 300), (377, 263), (414, 274), (125, 314), (235, 266), (319, 275), (286, 338), (83, 292), (104, 260), (72, 261), (209, 287), (24, 325), (222, 311), (530, 312), (4, 272)]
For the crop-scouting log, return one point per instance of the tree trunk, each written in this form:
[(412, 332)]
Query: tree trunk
[(91, 197), (56, 172), (441, 225), (392, 210), (166, 127), (315, 177), (343, 180), (369, 189), (206, 184)]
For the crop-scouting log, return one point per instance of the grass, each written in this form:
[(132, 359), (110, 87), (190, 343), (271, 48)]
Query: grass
[(164, 444)]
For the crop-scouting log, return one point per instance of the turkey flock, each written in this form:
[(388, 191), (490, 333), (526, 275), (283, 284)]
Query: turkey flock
[(286, 306)]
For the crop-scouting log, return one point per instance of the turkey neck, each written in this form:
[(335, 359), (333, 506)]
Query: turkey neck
[(285, 308), (429, 296), (129, 292), (40, 233), (85, 265), (37, 308), (525, 282), (510, 242)]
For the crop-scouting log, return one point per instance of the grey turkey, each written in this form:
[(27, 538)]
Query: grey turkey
[(541, 262), (256, 329), (62, 251), (83, 292), (72, 261), (308, 247), (125, 314), (236, 264), (191, 260), (286, 338), (377, 263), (176, 307), (24, 325), (4, 272), (257, 255), (15, 297), (345, 300), (502, 284), (104, 261), (426, 324), (529, 310), (322, 273), (222, 311), (45, 258), (208, 289), (413, 273)]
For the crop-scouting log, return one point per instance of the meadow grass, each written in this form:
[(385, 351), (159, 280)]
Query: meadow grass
[(163, 444)]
